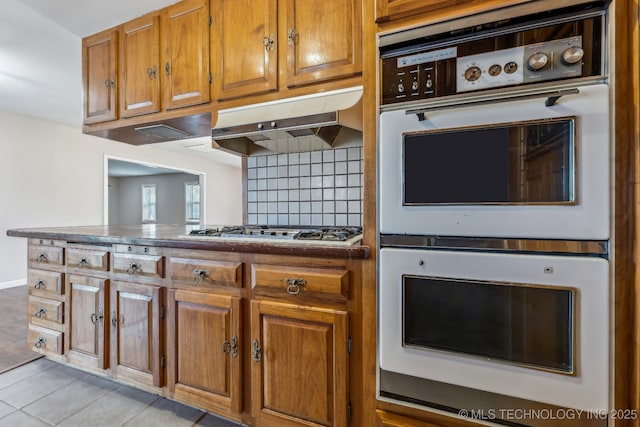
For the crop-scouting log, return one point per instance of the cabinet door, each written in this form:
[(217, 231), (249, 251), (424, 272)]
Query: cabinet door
[(140, 66), (86, 311), (136, 332), (245, 55), (99, 72), (299, 365), (324, 40), (204, 351), (186, 54)]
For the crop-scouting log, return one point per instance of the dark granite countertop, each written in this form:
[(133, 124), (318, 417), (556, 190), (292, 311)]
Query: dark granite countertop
[(175, 236)]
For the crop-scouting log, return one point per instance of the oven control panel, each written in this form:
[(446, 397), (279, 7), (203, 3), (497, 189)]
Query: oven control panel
[(552, 60), (476, 59)]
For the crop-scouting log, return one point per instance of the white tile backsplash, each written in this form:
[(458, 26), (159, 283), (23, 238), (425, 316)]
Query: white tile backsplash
[(311, 188)]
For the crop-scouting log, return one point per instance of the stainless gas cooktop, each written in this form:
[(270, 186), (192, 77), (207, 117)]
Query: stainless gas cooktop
[(274, 234)]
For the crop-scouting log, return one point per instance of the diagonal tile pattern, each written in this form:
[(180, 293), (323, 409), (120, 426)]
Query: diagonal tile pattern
[(44, 394)]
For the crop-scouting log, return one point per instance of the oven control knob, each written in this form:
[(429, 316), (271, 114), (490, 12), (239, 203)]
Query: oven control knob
[(537, 61), (400, 87), (429, 83), (494, 70), (572, 55), (472, 73), (414, 85), (510, 67)]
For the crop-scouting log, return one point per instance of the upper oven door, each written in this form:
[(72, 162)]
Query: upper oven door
[(513, 169)]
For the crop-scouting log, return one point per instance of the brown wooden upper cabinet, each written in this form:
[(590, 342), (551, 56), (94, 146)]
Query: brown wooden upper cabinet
[(163, 64), (313, 40), (140, 66), (185, 49), (387, 10), (99, 71)]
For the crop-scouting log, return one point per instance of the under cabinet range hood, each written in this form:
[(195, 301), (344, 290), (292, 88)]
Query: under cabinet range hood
[(305, 123)]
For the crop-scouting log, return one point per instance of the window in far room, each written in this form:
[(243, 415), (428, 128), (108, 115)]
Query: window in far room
[(149, 203), (192, 201)]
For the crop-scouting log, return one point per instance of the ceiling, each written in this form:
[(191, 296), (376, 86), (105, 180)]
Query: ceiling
[(121, 168), (41, 61)]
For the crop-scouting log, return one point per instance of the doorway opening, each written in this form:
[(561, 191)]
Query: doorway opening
[(145, 193)]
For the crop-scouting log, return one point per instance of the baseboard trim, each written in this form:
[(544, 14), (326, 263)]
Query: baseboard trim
[(13, 283)]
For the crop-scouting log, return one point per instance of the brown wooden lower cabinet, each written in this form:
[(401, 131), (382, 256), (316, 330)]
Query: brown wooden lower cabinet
[(299, 367), (203, 349), (260, 339), (88, 342), (137, 330)]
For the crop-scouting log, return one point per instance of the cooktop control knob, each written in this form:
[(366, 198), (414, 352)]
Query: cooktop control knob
[(400, 87), (472, 73), (537, 61), (572, 55)]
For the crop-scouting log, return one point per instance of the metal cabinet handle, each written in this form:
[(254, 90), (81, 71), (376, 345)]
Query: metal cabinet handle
[(42, 312), (83, 263), (109, 83), (133, 268), (294, 285), (114, 319), (167, 69), (292, 36), (152, 72), (268, 43), (256, 352), (42, 258), (40, 284), (199, 274), (41, 341), (231, 347), (97, 318)]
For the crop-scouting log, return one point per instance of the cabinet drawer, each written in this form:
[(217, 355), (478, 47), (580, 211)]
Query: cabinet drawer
[(45, 283), (45, 340), (46, 312), (139, 265), (41, 256), (88, 259), (206, 272), (299, 280)]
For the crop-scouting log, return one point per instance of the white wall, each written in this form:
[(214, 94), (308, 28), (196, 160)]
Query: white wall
[(52, 175)]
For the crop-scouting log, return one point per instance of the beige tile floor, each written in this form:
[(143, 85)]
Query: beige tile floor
[(44, 393)]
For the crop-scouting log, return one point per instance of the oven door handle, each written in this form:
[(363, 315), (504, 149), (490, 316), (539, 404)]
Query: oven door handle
[(552, 97)]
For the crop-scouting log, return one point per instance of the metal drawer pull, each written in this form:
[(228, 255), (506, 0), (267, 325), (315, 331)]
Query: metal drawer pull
[(42, 258), (97, 318), (40, 284), (42, 341), (114, 319), (256, 352), (133, 268), (231, 347), (42, 312), (199, 274), (294, 285), (83, 263)]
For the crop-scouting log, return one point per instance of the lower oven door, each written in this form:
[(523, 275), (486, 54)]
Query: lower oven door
[(529, 327), (514, 169)]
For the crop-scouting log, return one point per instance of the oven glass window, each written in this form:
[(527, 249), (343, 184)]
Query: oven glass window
[(520, 324), (519, 163)]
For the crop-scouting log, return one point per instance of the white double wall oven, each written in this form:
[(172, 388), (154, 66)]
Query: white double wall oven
[(494, 213)]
